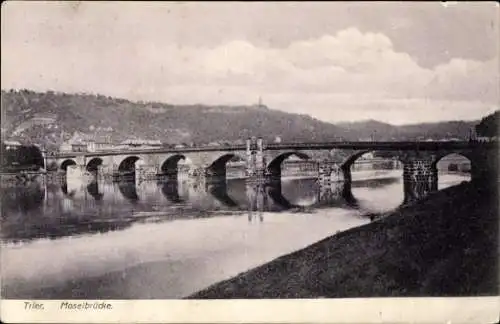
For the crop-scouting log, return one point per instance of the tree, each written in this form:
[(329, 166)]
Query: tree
[(5, 156), (488, 127), (23, 157)]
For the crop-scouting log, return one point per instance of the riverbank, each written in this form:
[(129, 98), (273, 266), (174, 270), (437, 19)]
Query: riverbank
[(446, 245)]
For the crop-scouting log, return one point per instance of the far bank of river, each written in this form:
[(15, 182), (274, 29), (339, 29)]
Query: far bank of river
[(445, 245)]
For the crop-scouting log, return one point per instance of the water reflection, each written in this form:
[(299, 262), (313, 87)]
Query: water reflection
[(257, 198), (170, 190), (274, 191), (364, 193), (93, 190), (23, 199), (166, 239), (50, 210), (38, 210), (219, 192), (129, 191)]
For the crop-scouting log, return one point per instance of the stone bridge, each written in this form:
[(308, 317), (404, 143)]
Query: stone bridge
[(333, 160)]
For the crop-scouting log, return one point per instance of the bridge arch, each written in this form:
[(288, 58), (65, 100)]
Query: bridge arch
[(466, 154), (450, 165), (274, 167), (346, 165), (353, 195), (93, 164), (218, 167), (127, 165), (66, 163), (170, 167)]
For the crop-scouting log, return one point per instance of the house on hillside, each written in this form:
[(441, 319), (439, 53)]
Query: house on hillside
[(486, 139), (101, 141), (77, 143), (44, 118), (79, 147), (65, 147), (81, 142), (138, 143)]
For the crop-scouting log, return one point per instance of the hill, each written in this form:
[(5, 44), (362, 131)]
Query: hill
[(383, 131), (24, 117), (50, 118)]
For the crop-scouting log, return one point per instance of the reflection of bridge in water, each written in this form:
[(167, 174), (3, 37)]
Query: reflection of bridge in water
[(46, 209), (239, 195)]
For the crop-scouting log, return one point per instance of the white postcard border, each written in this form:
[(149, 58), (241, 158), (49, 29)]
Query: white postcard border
[(358, 310)]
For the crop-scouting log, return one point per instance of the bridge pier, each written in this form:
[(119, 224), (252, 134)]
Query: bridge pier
[(332, 195), (255, 159), (183, 172), (420, 177), (198, 174), (335, 180), (330, 173), (104, 172), (144, 172)]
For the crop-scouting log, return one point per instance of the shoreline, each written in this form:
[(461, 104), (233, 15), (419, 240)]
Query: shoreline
[(444, 245)]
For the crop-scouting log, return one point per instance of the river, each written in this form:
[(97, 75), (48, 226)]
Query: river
[(168, 239)]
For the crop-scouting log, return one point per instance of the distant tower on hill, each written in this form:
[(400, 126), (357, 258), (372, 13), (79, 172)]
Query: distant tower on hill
[(260, 105), (472, 134)]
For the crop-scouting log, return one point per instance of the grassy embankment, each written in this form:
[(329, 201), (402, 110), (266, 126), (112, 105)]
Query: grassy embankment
[(445, 245)]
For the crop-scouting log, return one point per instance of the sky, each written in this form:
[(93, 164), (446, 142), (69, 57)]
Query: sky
[(397, 62)]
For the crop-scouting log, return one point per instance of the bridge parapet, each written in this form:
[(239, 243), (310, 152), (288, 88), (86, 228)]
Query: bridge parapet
[(339, 145)]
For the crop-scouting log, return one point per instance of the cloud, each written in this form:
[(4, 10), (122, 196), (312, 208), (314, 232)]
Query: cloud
[(466, 80), (345, 76), (348, 62)]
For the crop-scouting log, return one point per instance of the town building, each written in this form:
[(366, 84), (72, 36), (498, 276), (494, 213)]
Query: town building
[(10, 145), (138, 143), (81, 142), (98, 142)]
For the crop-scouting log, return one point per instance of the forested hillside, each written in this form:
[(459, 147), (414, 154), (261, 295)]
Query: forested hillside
[(50, 118), (122, 119)]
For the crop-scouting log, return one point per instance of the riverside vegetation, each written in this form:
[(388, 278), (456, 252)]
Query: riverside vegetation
[(444, 245)]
